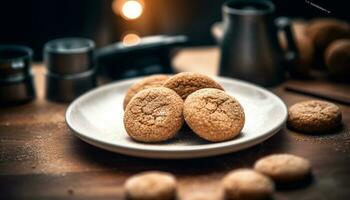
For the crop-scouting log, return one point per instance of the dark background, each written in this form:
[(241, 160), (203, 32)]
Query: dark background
[(34, 22)]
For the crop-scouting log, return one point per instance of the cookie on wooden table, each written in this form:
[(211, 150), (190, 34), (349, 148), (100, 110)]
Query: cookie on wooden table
[(153, 185), (314, 116), (154, 115), (283, 168), (148, 82), (213, 114), (187, 82), (247, 184)]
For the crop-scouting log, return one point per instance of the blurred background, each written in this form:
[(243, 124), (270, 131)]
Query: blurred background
[(34, 22)]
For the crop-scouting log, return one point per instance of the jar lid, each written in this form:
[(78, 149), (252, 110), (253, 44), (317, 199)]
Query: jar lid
[(67, 56)]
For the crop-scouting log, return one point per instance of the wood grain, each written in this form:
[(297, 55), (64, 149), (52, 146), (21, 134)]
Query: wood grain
[(41, 159)]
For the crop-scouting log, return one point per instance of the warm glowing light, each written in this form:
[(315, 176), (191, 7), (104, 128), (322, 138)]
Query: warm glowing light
[(132, 9), (131, 39)]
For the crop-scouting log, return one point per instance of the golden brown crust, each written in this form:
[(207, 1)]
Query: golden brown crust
[(152, 185), (213, 115), (148, 82), (314, 116), (154, 115), (187, 82), (283, 167), (247, 184)]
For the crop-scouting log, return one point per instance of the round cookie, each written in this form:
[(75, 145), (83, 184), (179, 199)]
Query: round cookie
[(323, 31), (151, 185), (314, 116), (213, 115), (247, 184), (154, 115), (283, 167), (337, 58), (148, 82), (187, 82)]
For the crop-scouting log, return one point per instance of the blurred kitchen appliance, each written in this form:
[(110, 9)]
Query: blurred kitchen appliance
[(148, 55), (16, 82), (249, 46), (71, 68)]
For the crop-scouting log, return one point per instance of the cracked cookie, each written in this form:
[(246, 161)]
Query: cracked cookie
[(314, 116), (213, 115), (243, 184), (187, 82), (284, 167), (148, 82), (152, 185), (154, 115)]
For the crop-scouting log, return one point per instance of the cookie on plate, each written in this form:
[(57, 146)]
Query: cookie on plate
[(148, 82), (283, 168), (187, 82), (153, 185), (314, 116), (213, 114), (247, 184), (154, 115)]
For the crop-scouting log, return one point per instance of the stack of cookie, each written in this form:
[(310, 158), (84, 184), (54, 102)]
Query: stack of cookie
[(157, 106), (322, 43)]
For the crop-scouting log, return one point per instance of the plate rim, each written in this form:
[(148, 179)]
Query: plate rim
[(154, 152)]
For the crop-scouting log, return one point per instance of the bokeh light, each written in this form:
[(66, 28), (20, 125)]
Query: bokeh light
[(128, 9), (131, 39), (132, 9)]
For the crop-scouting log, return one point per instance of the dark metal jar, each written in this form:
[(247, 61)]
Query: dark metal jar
[(71, 68), (16, 82)]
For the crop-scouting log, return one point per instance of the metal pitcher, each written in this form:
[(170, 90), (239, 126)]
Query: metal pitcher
[(249, 47)]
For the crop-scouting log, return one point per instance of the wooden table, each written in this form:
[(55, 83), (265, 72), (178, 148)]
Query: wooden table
[(41, 159)]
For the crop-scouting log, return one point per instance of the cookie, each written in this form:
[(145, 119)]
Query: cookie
[(148, 82), (154, 115), (247, 184), (187, 82), (283, 167), (323, 31), (151, 185), (314, 116), (337, 58), (213, 114)]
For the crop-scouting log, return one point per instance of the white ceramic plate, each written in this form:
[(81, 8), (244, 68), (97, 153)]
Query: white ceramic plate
[(97, 118)]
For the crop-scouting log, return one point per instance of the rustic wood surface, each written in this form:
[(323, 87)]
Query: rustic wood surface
[(41, 159)]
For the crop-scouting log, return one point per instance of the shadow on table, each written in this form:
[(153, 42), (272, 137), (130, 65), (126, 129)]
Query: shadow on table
[(198, 166), (308, 180)]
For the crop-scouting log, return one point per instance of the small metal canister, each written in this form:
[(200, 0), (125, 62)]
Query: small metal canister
[(71, 68), (16, 82)]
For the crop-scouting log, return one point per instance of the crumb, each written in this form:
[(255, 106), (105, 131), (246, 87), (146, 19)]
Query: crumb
[(70, 191)]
